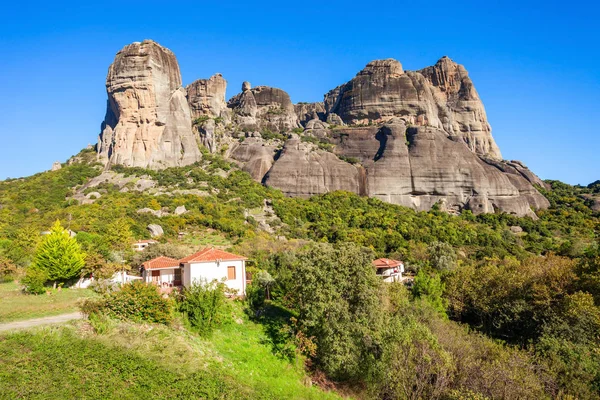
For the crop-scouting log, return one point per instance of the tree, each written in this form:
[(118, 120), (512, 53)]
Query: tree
[(337, 296), (442, 256), (118, 234), (59, 255), (266, 281), (430, 288)]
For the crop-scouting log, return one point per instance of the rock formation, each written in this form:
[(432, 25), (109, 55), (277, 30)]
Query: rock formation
[(415, 167), (441, 96), (148, 121), (303, 171), (206, 98), (309, 111), (413, 138), (263, 107)]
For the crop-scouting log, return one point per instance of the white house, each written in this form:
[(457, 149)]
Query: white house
[(389, 270), (140, 245), (162, 271), (210, 264)]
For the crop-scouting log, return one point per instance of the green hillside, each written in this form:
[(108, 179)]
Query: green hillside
[(500, 306)]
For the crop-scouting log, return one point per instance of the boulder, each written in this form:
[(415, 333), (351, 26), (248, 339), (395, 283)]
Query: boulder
[(254, 156), (155, 230), (180, 210), (56, 166), (148, 120), (516, 229)]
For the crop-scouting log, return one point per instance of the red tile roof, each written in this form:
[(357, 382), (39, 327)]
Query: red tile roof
[(386, 263), (161, 262), (211, 254)]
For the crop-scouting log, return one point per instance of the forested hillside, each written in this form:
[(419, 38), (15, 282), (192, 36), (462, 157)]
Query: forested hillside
[(501, 306)]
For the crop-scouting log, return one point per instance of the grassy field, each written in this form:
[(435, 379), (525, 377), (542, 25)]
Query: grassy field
[(14, 305), (131, 361)]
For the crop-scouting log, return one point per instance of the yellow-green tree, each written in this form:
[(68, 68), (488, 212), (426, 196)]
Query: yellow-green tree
[(59, 256)]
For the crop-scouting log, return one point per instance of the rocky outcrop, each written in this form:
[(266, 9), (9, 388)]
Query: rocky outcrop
[(207, 97), (255, 156), (413, 138), (415, 167), (263, 107), (441, 96), (310, 111), (303, 171), (148, 120)]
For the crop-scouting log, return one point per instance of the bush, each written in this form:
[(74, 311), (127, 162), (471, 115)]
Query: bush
[(203, 306), (136, 301), (8, 270), (34, 280)]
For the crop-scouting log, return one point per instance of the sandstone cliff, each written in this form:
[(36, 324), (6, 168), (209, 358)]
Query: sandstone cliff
[(148, 121), (206, 98), (441, 96), (414, 138)]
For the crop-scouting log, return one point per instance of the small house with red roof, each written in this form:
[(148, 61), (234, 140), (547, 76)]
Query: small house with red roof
[(162, 271), (210, 264), (389, 270)]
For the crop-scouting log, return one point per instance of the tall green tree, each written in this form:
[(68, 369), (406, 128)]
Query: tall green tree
[(337, 297), (59, 255)]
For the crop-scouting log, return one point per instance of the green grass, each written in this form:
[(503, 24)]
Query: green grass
[(245, 350), (131, 361), (15, 305), (207, 238)]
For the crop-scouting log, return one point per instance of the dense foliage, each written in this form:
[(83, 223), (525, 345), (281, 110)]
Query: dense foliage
[(136, 301), (203, 306)]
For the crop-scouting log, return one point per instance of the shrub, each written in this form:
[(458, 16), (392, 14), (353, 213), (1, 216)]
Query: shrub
[(203, 306), (34, 280), (266, 134), (139, 302), (8, 270)]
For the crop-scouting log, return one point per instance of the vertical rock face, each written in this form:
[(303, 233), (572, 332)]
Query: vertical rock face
[(441, 96), (309, 111), (148, 120), (263, 107), (207, 96), (303, 171), (463, 114)]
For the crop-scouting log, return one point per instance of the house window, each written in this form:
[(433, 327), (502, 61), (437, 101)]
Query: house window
[(231, 273)]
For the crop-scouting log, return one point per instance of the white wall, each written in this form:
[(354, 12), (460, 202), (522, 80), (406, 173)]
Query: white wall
[(166, 275), (211, 270)]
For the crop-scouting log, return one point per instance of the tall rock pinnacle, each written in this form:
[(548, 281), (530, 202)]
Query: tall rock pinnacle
[(148, 121)]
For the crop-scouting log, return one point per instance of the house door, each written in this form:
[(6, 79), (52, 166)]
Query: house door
[(177, 277), (156, 277)]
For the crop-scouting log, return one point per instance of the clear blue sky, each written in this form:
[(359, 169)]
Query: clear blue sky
[(535, 64)]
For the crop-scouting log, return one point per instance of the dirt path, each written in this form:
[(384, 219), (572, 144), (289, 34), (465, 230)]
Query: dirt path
[(31, 323)]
